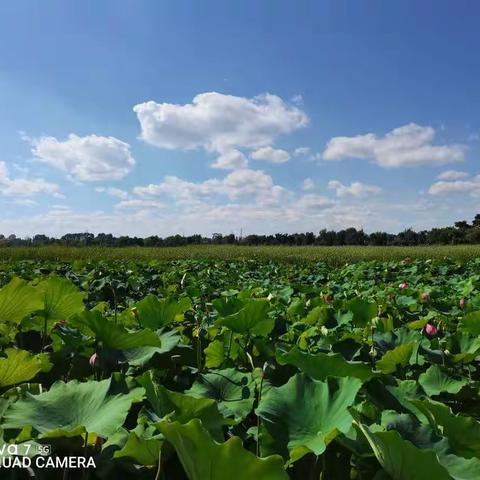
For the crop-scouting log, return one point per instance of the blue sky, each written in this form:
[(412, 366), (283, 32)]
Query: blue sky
[(263, 116)]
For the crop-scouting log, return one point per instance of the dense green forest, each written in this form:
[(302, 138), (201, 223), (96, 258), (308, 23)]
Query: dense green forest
[(462, 232)]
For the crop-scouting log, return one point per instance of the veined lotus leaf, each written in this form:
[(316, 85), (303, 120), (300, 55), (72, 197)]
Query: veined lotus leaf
[(203, 458), (20, 366), (322, 365), (464, 347), (462, 432), (252, 318), (470, 323), (305, 415), (435, 381), (233, 391), (17, 300), (363, 311), (401, 459), (141, 355), (181, 407), (155, 313), (393, 358), (424, 437), (141, 446), (115, 336), (62, 299), (70, 409)]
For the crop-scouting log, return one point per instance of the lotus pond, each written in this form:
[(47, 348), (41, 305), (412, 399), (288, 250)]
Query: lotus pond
[(242, 369)]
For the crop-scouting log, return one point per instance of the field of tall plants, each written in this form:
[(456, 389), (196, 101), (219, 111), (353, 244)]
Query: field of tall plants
[(240, 369)]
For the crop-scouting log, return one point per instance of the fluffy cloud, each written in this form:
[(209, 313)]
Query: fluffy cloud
[(231, 160), (24, 187), (140, 204), (90, 158), (355, 189), (308, 184), (458, 186), (113, 191), (270, 154), (302, 151), (237, 184), (409, 145), (452, 175), (219, 123)]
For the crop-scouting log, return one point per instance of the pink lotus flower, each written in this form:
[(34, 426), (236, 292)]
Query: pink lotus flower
[(462, 303), (93, 360), (425, 296), (430, 329), (403, 285)]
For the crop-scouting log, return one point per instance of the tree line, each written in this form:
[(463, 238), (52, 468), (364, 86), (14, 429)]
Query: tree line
[(461, 232)]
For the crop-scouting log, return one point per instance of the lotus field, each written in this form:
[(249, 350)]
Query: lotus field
[(240, 370)]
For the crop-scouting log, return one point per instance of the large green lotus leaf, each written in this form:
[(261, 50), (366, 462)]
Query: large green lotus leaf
[(462, 432), (113, 335), (20, 366), (404, 393), (154, 313), (17, 300), (435, 381), (69, 409), (142, 445), (252, 318), (305, 415), (203, 458), (467, 346), (401, 459), (226, 306), (233, 391), (141, 355), (181, 407), (62, 299), (399, 356), (470, 323), (363, 311), (424, 437), (322, 365)]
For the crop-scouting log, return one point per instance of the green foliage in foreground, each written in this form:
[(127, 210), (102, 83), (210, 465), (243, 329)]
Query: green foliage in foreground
[(244, 369)]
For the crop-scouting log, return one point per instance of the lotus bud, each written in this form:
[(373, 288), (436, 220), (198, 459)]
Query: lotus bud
[(403, 285), (93, 360), (425, 296), (430, 329), (462, 303)]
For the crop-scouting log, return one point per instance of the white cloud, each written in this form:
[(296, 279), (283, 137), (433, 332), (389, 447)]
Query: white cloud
[(301, 151), (457, 186), (409, 145), (114, 192), (231, 160), (355, 189), (270, 154), (237, 184), (25, 187), (140, 203), (452, 175), (308, 184), (90, 158), (218, 123)]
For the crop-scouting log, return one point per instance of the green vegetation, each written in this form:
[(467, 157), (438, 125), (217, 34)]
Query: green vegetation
[(336, 255), (196, 369)]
